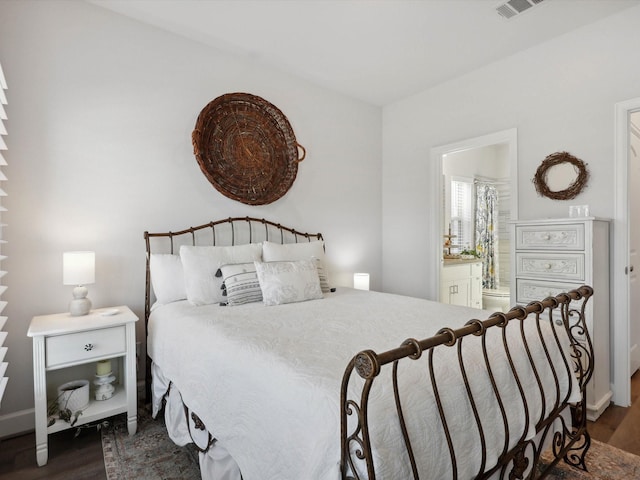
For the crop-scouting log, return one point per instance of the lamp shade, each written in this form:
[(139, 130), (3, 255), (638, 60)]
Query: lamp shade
[(361, 281), (78, 268)]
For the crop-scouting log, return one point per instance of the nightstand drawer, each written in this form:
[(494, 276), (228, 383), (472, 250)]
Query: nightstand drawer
[(550, 237), (557, 266), (76, 347)]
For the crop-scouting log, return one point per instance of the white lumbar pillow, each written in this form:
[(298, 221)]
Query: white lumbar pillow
[(288, 282), (276, 252)]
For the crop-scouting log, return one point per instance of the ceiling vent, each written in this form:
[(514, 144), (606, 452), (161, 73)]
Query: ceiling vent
[(514, 7)]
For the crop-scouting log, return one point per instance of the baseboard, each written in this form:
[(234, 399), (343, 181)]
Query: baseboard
[(594, 411), (634, 359), (17, 423)]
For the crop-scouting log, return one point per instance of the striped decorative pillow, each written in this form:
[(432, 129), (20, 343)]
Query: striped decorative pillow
[(240, 284)]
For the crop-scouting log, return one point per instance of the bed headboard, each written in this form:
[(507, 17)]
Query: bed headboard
[(228, 231)]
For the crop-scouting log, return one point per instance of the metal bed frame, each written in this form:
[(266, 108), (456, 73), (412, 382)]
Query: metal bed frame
[(565, 311), (570, 444)]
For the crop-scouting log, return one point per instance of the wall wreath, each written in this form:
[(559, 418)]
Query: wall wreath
[(576, 186), (246, 148)]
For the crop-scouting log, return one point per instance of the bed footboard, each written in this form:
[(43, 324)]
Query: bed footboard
[(542, 404)]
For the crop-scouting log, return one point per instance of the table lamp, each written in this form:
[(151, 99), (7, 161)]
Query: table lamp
[(78, 268)]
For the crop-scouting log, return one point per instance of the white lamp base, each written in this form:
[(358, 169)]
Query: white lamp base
[(80, 305)]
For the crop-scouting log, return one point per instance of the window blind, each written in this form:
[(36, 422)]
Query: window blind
[(3, 319), (462, 208)]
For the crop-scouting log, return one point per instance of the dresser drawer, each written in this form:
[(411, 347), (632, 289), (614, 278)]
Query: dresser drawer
[(559, 266), (77, 347), (550, 237), (535, 290)]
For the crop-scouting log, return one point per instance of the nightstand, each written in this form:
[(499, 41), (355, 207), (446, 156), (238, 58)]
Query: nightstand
[(68, 348)]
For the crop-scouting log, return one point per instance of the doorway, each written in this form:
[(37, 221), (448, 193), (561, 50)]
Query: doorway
[(634, 241), (443, 157), (626, 261)]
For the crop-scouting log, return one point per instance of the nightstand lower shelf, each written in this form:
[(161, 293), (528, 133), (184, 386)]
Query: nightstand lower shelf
[(99, 409)]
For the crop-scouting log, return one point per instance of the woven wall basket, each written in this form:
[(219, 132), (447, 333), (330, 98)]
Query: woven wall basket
[(246, 148)]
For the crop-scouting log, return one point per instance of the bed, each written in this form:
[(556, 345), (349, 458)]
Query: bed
[(351, 384)]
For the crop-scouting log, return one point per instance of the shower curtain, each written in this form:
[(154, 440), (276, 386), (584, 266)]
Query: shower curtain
[(487, 233)]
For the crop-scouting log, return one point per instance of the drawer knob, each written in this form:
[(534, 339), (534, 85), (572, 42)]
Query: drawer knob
[(558, 322), (88, 347), (547, 266)]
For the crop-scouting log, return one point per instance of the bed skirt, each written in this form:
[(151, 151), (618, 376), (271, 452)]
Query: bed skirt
[(184, 427)]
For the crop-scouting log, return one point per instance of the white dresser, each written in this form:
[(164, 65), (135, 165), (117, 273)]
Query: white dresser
[(461, 283), (552, 256)]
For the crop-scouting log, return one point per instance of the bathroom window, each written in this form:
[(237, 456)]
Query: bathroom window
[(462, 203)]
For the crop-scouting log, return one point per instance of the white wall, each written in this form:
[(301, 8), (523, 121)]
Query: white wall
[(101, 111), (559, 95), (491, 161)]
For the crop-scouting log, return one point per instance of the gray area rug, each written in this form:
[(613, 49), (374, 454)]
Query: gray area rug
[(151, 455), (604, 462)]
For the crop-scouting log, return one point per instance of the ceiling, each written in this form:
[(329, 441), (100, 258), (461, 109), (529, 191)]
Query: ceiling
[(378, 51)]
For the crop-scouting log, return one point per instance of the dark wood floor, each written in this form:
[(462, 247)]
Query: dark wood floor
[(619, 426), (77, 458), (80, 458)]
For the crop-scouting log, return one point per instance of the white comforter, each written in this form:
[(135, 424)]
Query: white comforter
[(266, 381)]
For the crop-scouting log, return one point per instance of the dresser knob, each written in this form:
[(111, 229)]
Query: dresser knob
[(546, 236), (558, 322), (547, 266), (88, 347)]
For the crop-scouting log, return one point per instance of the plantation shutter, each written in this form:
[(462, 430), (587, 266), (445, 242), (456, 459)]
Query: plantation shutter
[(3, 319)]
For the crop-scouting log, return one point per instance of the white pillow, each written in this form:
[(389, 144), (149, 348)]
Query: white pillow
[(167, 278), (240, 284), (276, 252), (202, 278), (288, 282)]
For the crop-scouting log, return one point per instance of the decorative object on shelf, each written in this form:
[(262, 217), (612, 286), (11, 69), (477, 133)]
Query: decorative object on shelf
[(103, 381), (578, 211), (73, 398), (469, 254), (104, 388), (246, 148), (448, 245), (103, 367), (78, 268), (540, 179), (361, 281)]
